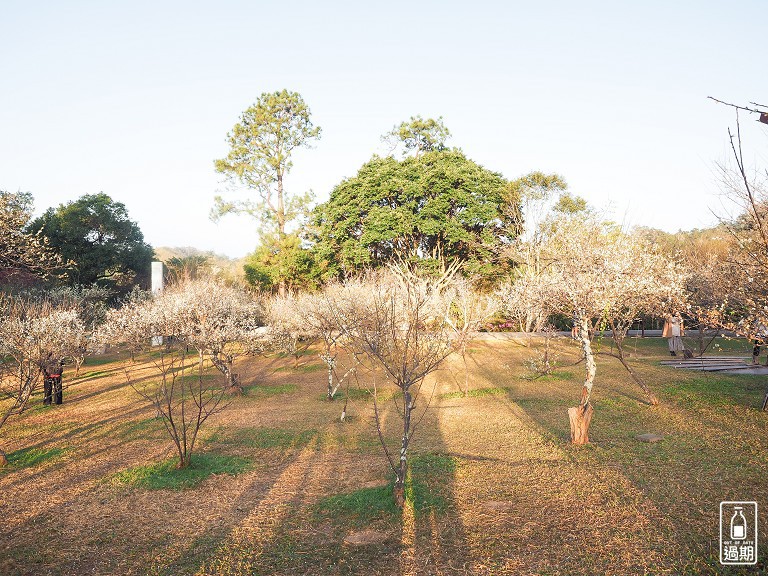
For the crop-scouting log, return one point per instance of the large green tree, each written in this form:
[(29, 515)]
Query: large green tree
[(433, 208), (101, 243), (282, 263)]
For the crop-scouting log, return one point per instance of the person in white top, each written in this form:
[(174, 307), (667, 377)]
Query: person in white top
[(674, 331)]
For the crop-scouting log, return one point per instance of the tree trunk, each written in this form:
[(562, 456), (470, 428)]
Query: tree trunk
[(280, 215), (399, 495), (330, 377), (402, 470), (582, 334), (184, 461), (580, 418), (3, 459), (58, 394), (225, 367), (701, 340)]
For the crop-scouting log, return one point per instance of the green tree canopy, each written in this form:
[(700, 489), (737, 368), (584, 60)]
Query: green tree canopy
[(432, 209), (101, 243), (284, 264)]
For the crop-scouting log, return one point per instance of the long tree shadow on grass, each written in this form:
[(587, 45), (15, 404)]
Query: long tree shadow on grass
[(258, 533), (425, 537), (298, 524), (162, 549), (710, 453)]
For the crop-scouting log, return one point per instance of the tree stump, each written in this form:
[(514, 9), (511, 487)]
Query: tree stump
[(580, 417), (3, 459)]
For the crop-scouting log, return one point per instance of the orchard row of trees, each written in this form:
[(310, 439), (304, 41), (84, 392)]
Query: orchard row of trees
[(395, 324)]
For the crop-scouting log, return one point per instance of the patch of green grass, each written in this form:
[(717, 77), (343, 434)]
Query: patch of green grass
[(556, 376), (359, 394), (268, 437), (95, 374), (426, 483), (165, 475), (353, 394), (620, 403), (718, 389), (28, 457), (476, 392), (359, 507), (425, 489), (306, 352), (35, 406), (303, 369), (101, 359), (262, 390)]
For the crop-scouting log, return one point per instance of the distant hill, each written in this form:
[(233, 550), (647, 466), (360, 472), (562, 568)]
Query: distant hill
[(220, 265)]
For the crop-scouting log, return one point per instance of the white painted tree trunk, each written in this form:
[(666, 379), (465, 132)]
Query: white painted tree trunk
[(580, 416)]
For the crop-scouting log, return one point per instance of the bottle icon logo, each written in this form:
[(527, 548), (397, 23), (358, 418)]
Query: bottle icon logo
[(738, 524), (738, 533)]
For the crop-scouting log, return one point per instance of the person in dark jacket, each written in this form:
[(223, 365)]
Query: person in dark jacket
[(52, 389)]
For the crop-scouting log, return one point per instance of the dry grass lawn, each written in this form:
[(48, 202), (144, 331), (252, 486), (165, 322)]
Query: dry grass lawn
[(495, 486)]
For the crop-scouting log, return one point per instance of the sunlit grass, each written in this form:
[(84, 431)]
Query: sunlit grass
[(360, 507), (264, 390), (475, 393), (302, 369), (265, 438)]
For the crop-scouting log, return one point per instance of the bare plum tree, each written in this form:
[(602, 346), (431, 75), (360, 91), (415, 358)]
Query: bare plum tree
[(181, 396), (34, 334), (289, 331), (179, 390), (220, 322), (602, 276), (743, 305), (398, 321)]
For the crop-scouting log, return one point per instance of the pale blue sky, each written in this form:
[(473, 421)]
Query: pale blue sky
[(135, 98)]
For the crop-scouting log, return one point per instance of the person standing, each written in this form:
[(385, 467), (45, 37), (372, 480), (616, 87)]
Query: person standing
[(52, 389), (673, 331)]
